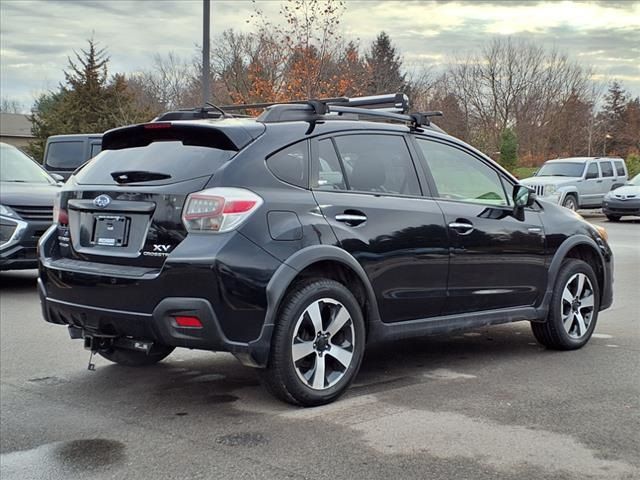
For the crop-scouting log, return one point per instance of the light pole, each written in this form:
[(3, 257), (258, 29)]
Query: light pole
[(206, 14), (604, 148)]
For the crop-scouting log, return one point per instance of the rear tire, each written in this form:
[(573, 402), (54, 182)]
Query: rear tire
[(133, 358), (570, 202), (573, 311), (613, 218), (317, 345)]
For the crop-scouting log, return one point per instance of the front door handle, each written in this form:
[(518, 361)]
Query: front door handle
[(351, 219), (462, 228)]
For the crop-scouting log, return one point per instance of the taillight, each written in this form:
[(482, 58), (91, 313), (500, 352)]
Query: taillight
[(60, 215), (218, 210)]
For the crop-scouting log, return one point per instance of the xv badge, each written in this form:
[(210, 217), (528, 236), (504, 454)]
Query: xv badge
[(161, 248)]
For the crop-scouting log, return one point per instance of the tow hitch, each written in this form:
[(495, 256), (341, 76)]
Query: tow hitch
[(95, 343)]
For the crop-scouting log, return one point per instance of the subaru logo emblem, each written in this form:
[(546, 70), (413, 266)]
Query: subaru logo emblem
[(102, 201)]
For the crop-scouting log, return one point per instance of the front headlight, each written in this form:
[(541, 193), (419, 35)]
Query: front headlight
[(7, 212), (550, 189), (608, 195), (602, 232)]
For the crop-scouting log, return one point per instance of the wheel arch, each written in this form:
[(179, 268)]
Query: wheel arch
[(322, 261), (582, 248)]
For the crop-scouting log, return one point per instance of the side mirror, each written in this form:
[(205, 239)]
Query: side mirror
[(57, 177), (523, 196)]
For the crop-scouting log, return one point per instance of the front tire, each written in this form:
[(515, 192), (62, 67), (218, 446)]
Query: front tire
[(133, 358), (570, 202), (613, 218), (573, 311), (317, 346)]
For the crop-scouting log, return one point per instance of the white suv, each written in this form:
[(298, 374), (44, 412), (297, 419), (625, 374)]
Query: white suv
[(579, 182)]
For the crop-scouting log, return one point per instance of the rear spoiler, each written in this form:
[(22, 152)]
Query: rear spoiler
[(232, 137)]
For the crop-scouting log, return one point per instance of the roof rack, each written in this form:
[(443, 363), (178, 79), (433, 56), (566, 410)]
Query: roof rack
[(394, 106)]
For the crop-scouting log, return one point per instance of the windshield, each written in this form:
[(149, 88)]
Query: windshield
[(561, 169), (635, 180), (15, 166)]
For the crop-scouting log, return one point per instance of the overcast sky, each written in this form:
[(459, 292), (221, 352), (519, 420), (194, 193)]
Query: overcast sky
[(37, 36)]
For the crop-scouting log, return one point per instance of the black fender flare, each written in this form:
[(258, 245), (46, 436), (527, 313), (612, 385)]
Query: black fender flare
[(284, 276), (556, 263)]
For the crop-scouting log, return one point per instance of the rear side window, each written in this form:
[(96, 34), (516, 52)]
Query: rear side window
[(330, 175), (607, 169), (620, 168), (378, 163), (65, 155), (291, 165), (159, 162)]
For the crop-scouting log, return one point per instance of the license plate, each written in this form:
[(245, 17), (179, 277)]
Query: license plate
[(110, 230)]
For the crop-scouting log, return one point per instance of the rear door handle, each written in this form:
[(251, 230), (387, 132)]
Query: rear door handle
[(461, 228), (351, 219)]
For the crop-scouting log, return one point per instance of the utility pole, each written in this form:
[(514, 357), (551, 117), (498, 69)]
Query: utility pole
[(206, 14)]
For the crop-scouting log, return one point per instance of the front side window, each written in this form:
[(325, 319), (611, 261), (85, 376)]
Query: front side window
[(592, 171), (65, 155), (291, 164), (620, 168), (607, 169), (378, 163), (461, 176), (95, 149)]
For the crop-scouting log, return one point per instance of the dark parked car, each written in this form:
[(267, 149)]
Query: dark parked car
[(27, 193), (295, 239), (623, 201), (64, 153)]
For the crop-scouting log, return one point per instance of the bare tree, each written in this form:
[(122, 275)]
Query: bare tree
[(166, 85), (8, 105)]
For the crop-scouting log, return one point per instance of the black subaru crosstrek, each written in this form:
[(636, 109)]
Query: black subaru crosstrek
[(295, 239)]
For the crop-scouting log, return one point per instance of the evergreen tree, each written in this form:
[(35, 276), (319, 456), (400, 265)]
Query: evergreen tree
[(384, 66), (88, 102), (508, 149)]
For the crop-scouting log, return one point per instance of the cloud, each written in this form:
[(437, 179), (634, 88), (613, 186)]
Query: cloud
[(37, 36)]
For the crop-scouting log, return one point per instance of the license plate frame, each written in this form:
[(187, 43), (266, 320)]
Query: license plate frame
[(110, 231)]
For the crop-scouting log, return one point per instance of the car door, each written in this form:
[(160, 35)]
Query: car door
[(368, 190), (590, 191), (497, 260), (608, 177)]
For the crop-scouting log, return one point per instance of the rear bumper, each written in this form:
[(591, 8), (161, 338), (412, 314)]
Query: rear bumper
[(159, 326), (222, 280)]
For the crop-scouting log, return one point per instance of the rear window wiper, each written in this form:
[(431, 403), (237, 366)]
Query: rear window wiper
[(135, 176)]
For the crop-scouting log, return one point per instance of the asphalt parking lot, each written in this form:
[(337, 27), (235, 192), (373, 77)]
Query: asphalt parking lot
[(486, 404)]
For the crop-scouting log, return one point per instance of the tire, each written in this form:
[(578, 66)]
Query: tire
[(319, 322), (613, 218), (570, 202), (132, 358), (573, 311)]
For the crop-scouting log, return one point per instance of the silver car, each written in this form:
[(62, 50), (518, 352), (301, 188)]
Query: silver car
[(623, 201), (578, 182)]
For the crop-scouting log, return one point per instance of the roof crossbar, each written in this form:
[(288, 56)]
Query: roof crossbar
[(415, 119)]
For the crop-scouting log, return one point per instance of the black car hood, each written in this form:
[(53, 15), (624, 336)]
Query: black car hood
[(32, 194)]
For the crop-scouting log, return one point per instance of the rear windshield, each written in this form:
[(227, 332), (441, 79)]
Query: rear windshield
[(561, 169), (65, 155), (172, 161)]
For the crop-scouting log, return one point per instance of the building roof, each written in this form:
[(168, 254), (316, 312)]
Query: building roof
[(15, 125)]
